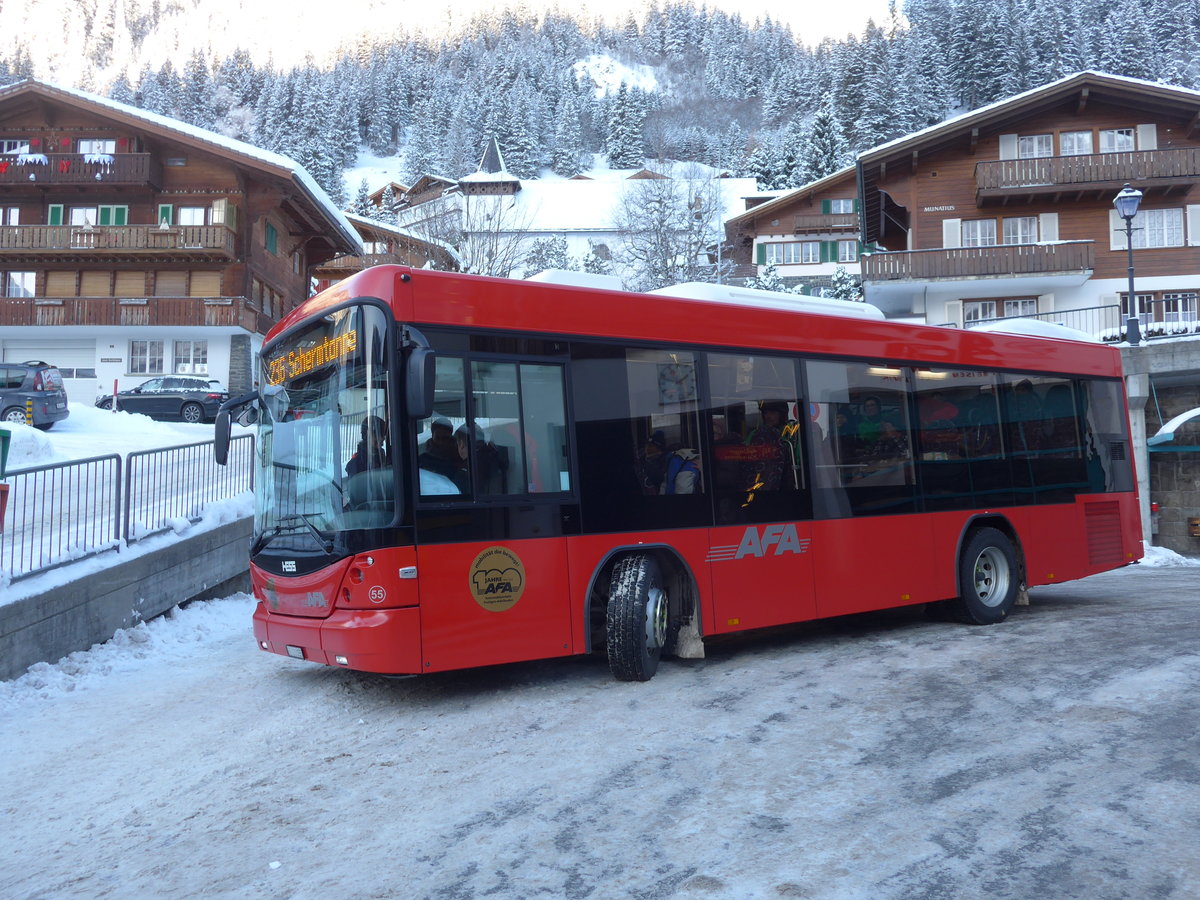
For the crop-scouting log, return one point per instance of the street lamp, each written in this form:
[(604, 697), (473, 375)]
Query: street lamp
[(1126, 203)]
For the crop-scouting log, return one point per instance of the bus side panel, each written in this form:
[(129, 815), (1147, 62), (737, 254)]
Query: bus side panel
[(489, 603), (1066, 541), (878, 562), (762, 575)]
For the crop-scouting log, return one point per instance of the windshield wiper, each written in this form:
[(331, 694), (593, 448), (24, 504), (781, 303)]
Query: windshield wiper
[(296, 522)]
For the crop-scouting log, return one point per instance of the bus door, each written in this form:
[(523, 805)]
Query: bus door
[(759, 549), (495, 501)]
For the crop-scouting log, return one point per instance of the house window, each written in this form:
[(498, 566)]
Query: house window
[(1075, 143), (96, 145), (1158, 228), (191, 215), (19, 284), (1179, 306), (780, 254), (145, 357), (978, 310), (1116, 140), (191, 357), (271, 239), (99, 215), (979, 233), (11, 146), (810, 252), (1145, 308), (841, 206), (1020, 307), (847, 251), (10, 215), (1021, 230), (1032, 146)]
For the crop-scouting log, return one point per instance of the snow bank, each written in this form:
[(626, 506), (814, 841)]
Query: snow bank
[(1161, 556)]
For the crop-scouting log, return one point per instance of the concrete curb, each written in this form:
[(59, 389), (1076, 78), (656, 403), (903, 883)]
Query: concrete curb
[(74, 616)]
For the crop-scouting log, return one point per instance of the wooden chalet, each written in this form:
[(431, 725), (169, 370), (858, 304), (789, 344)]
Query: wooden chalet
[(385, 244), (133, 245)]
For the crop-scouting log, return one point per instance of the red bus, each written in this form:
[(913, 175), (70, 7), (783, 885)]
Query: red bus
[(459, 471)]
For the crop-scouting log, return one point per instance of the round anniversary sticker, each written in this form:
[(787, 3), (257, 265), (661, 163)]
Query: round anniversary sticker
[(497, 579)]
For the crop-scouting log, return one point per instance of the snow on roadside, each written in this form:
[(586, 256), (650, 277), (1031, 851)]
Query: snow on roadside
[(1162, 556)]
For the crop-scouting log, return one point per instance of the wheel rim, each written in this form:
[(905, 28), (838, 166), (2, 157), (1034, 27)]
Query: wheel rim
[(192, 413), (656, 617), (991, 577), (15, 415)]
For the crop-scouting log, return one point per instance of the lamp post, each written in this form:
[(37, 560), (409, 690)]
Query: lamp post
[(1126, 203)]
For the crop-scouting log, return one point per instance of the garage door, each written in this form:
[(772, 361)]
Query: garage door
[(76, 359)]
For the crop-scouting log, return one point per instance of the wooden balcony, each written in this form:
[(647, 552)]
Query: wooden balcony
[(234, 312), (358, 263), (825, 223), (138, 169), (1097, 173), (958, 263), (208, 241)]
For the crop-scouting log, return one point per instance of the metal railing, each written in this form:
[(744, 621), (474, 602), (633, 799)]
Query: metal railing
[(62, 512), (1093, 320)]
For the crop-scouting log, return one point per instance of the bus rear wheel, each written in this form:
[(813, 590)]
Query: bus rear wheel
[(988, 578), (640, 626)]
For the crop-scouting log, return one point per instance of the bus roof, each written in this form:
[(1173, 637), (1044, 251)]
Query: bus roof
[(431, 298)]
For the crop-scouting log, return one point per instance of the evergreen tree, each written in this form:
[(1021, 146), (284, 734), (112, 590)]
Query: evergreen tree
[(566, 155), (845, 286), (196, 93), (825, 151), (362, 205), (768, 280), (624, 143), (548, 253)]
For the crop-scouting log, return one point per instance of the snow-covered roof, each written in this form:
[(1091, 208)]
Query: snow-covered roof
[(783, 198), (196, 134), (986, 112), (404, 233)]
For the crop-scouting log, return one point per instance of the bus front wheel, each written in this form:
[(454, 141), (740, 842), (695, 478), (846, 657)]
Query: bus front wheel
[(988, 578), (640, 626)]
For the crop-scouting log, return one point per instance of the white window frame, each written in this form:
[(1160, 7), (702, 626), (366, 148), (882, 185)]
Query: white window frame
[(979, 232), (146, 358), (1179, 306), (96, 145), (841, 206), (10, 215), (1076, 143), (191, 358), (810, 252), (774, 254), (191, 215), (20, 284), (978, 310), (14, 146), (1117, 140), (1035, 146), (1023, 307), (1020, 229), (847, 251), (1158, 228)]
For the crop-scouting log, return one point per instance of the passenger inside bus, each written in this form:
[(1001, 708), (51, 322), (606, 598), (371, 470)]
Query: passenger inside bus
[(439, 454), (372, 452), (369, 471)]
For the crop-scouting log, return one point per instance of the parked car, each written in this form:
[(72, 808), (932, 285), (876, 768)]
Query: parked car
[(192, 398), (32, 387)]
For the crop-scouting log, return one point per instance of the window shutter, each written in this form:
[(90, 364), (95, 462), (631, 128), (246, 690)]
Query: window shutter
[(859, 251), (1048, 227), (1193, 226), (165, 211), (120, 215), (95, 284), (54, 214), (828, 251), (951, 232), (954, 313), (104, 215), (60, 284), (761, 254), (205, 284), (1116, 231), (170, 284), (1147, 137), (130, 285), (1008, 146), (825, 207), (856, 204)]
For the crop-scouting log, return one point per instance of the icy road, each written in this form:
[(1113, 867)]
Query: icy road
[(878, 756)]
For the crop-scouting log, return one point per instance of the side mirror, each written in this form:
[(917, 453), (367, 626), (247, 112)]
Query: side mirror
[(419, 381), (247, 413)]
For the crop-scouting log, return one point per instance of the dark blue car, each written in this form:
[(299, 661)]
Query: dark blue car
[(191, 398)]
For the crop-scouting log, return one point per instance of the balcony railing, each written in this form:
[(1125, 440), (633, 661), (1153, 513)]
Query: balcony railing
[(80, 168), (823, 222), (1003, 261), (1097, 321), (158, 311), (208, 240), (357, 263), (1098, 170)]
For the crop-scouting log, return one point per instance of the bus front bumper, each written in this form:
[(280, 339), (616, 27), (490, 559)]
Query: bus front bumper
[(387, 641)]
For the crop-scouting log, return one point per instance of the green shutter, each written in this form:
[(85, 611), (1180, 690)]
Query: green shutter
[(120, 215), (828, 251), (761, 255), (54, 214), (825, 207), (164, 213), (104, 215), (856, 204), (272, 239)]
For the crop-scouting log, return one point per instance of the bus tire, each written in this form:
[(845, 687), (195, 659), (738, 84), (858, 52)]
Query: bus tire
[(988, 578), (640, 626)]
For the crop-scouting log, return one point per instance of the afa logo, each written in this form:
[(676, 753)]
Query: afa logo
[(497, 579), (772, 540)]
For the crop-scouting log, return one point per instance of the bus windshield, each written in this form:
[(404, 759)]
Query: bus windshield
[(324, 455)]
